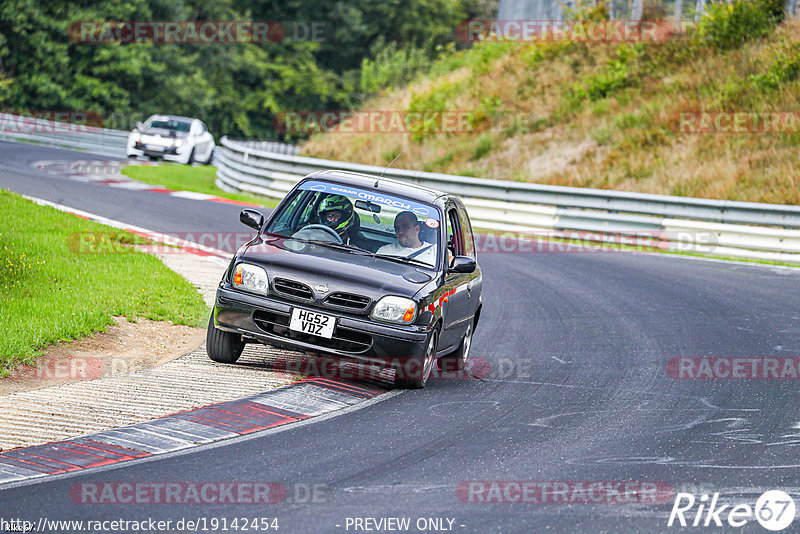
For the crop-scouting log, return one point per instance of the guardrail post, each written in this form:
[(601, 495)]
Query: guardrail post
[(700, 9), (636, 10)]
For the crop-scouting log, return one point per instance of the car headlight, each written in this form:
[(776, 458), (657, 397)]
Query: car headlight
[(251, 278), (395, 310), (136, 137), (178, 142)]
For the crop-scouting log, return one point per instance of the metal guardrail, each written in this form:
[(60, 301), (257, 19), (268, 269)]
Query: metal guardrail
[(270, 169), (102, 141), (746, 229), (276, 147)]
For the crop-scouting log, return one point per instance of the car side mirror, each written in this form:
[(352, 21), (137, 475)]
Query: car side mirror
[(252, 218), (463, 264), (139, 126)]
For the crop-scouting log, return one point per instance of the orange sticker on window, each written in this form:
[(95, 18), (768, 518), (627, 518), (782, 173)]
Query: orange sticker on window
[(432, 223)]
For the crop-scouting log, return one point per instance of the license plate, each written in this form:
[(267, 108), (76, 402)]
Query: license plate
[(313, 323), (155, 148)]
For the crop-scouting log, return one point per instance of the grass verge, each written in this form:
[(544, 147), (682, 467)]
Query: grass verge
[(52, 292), (199, 179)]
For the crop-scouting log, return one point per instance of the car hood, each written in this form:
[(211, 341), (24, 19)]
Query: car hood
[(339, 271)]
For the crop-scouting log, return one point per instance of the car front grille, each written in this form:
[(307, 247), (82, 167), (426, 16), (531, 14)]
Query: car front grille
[(344, 339), (348, 300), (292, 289)]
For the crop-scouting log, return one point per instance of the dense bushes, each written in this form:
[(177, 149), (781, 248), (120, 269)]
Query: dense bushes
[(727, 25), (236, 88), (785, 68), (392, 66)]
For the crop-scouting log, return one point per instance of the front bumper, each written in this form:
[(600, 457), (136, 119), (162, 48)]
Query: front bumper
[(170, 153), (354, 338)]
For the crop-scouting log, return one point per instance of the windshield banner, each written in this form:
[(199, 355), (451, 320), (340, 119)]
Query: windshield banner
[(386, 200)]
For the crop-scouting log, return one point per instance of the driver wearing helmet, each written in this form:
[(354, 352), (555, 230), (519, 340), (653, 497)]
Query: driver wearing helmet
[(336, 212)]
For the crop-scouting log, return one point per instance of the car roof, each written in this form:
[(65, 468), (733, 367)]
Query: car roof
[(387, 185)]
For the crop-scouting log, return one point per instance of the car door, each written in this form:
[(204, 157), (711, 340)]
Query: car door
[(192, 141), (195, 141), (457, 308), (207, 141)]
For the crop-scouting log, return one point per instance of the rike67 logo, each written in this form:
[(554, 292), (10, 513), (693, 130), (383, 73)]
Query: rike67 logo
[(774, 510)]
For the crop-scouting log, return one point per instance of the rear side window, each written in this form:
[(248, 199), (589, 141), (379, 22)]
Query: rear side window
[(466, 230), (454, 237)]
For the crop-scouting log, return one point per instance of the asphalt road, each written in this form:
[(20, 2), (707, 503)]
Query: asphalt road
[(140, 208), (578, 346)]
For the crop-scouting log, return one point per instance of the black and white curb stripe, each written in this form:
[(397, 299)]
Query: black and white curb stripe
[(310, 397)]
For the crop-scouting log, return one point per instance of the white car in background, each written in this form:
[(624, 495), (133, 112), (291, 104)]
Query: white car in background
[(172, 138)]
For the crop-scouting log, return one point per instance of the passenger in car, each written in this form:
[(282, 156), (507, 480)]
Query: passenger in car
[(409, 245)]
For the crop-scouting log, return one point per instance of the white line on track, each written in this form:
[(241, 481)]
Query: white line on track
[(220, 256)]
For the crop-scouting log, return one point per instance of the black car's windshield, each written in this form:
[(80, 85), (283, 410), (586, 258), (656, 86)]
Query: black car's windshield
[(361, 219), (169, 124)]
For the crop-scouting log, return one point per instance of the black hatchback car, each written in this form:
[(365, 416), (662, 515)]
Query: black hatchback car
[(356, 267)]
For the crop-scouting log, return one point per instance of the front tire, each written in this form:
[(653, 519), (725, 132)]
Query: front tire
[(428, 361), (221, 346)]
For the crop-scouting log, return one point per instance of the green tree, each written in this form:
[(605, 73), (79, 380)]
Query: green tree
[(236, 88)]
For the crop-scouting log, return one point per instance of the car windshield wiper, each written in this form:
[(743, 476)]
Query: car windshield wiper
[(361, 252), (401, 259), (339, 246)]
